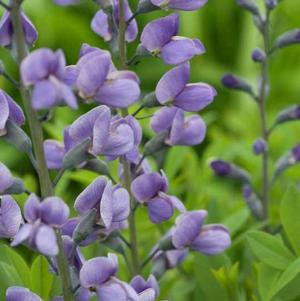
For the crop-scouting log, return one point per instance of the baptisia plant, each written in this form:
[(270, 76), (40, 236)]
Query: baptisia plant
[(108, 134)]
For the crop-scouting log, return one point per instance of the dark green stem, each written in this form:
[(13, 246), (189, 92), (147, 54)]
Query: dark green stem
[(38, 141), (136, 267)]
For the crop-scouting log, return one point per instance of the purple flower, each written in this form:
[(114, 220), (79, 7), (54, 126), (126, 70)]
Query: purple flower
[(260, 146), (10, 217), (181, 130), (46, 70), (258, 55), (112, 203), (9, 111), (42, 217), (97, 80), (7, 31), (189, 97), (144, 287), (99, 274), (110, 136), (190, 232), (16, 293), (160, 38), (102, 26), (6, 178), (150, 189), (179, 4)]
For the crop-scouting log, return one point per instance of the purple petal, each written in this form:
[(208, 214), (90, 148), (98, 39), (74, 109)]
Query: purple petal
[(54, 211), (176, 203), (212, 240), (111, 90), (66, 2), (147, 295), (97, 271), (15, 112), (6, 179), (195, 97), (121, 204), (100, 25), (146, 186), (140, 284), (23, 234), (68, 96), (30, 31), (181, 4), (159, 210), (6, 30), (15, 293), (70, 75), (132, 29), (10, 217), (136, 127), (32, 208), (180, 50), (54, 154), (175, 257), (91, 196), (4, 112), (44, 95), (162, 119), (189, 132), (166, 91), (69, 226), (159, 32), (45, 241), (68, 141), (123, 74), (106, 205), (187, 228)]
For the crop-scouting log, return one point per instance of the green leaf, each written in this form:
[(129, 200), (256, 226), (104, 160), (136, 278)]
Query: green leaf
[(41, 278), (269, 250), (289, 214)]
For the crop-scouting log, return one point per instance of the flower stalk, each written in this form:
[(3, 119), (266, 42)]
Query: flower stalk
[(37, 141)]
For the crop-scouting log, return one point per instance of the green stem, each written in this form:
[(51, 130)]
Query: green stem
[(136, 266), (36, 132), (263, 117)]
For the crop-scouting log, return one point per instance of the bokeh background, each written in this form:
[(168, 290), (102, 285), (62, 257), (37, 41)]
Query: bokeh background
[(229, 36)]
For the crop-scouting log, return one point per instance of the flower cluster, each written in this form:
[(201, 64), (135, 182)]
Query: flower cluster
[(106, 132)]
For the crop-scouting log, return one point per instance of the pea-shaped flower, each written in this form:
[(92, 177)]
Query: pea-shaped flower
[(103, 27), (189, 97), (45, 70), (147, 290), (160, 38), (41, 217), (10, 217), (99, 273), (151, 190), (10, 110), (181, 130), (189, 232), (97, 81), (109, 137), (112, 203), (16, 293), (7, 31)]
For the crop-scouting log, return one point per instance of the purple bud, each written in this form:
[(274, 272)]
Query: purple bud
[(259, 146), (180, 4), (253, 202), (231, 81), (258, 55), (249, 5), (288, 114), (271, 4), (288, 38), (221, 168)]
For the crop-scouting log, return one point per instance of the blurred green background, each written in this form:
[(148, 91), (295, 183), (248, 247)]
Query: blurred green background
[(229, 37)]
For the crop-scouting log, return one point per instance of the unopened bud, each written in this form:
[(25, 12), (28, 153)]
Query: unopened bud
[(289, 38), (249, 5), (231, 81), (288, 114), (258, 55), (260, 146), (155, 144), (253, 202), (271, 4), (145, 6), (114, 242), (16, 188)]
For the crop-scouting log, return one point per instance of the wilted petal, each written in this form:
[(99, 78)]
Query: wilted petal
[(54, 154), (187, 228), (162, 119), (45, 241), (165, 90), (212, 240), (118, 93), (6, 179), (159, 32), (187, 132), (91, 196), (180, 50), (54, 211), (44, 95), (97, 271), (100, 25), (16, 293), (10, 217), (195, 97), (146, 186)]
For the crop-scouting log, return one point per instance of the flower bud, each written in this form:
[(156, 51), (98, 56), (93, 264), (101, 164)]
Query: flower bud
[(229, 170), (155, 144), (258, 55), (150, 101), (145, 6), (97, 166), (85, 227), (289, 38), (16, 188), (253, 202), (249, 5), (259, 146), (231, 81), (289, 114), (271, 4), (77, 155)]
